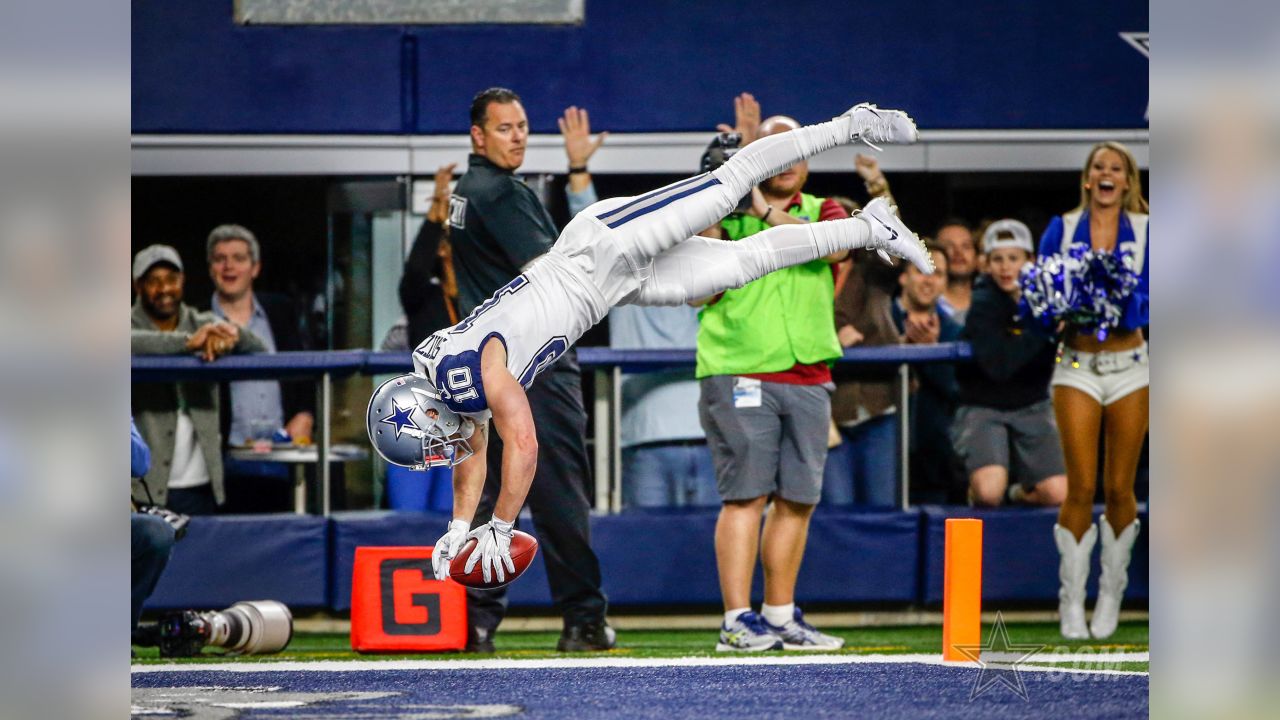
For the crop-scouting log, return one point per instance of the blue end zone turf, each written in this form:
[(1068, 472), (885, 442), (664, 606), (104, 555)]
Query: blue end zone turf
[(736, 692)]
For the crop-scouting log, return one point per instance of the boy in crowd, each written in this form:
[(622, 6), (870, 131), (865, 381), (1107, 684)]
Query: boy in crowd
[(1005, 425)]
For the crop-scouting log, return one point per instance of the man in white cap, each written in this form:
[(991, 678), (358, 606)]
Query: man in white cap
[(1004, 429), (180, 420)]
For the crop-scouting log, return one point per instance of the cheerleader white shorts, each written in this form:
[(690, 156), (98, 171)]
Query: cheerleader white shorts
[(1106, 376)]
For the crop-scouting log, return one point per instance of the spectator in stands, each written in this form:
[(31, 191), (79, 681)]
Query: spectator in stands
[(956, 239), (179, 421), (920, 320), (257, 409), (1102, 384), (862, 469), (1005, 421), (763, 351), (151, 538), (665, 459), (498, 226), (428, 288)]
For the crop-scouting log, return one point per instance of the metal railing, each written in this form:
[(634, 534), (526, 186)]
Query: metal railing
[(607, 365)]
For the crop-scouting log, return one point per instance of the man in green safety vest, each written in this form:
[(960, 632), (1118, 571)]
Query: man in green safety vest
[(763, 363)]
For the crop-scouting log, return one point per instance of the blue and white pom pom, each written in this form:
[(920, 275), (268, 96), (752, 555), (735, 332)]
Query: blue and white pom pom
[(1087, 290), (1051, 288), (1109, 280)]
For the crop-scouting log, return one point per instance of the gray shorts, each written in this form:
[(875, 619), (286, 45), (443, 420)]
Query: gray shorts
[(779, 447), (986, 436)]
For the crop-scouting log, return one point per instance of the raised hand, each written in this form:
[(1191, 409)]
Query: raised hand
[(867, 167), (439, 211), (575, 127), (746, 118)]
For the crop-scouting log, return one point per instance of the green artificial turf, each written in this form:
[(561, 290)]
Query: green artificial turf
[(1129, 637)]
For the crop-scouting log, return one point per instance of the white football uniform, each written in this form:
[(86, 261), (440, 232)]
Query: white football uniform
[(634, 250), (536, 316)]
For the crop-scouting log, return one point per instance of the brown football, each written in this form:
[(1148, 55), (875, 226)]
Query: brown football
[(523, 549)]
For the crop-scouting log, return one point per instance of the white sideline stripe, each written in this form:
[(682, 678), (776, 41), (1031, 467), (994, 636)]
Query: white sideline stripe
[(1089, 660)]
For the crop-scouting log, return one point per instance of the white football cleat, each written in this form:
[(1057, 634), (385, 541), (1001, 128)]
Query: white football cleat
[(889, 234), (872, 125)]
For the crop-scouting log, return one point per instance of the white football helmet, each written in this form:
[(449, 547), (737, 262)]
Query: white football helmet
[(409, 425)]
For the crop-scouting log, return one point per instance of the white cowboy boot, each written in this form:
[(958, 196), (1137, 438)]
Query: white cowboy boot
[(1116, 552), (1073, 572)]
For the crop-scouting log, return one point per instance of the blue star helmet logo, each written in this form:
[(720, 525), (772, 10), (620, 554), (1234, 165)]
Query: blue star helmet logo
[(402, 418)]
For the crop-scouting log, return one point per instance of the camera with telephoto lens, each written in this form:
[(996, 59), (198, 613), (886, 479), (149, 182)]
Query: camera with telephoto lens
[(252, 627), (722, 147)]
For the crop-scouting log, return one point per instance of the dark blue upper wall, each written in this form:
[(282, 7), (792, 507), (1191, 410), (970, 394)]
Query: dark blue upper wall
[(647, 67)]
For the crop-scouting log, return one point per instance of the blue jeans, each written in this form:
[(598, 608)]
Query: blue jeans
[(152, 540), (863, 469), (668, 475), (420, 490)]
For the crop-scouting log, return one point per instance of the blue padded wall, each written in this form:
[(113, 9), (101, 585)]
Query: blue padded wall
[(663, 558), (1019, 558), (647, 558), (861, 556), (228, 558)]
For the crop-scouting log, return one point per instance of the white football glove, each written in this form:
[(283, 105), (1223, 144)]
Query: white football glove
[(493, 549), (449, 545)]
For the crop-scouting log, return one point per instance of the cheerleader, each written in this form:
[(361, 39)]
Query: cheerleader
[(1101, 381)]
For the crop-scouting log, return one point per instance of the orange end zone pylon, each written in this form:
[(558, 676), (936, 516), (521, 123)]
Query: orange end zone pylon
[(962, 589)]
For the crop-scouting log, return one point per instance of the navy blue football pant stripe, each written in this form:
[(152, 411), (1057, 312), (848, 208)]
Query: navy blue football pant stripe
[(557, 500), (636, 203), (663, 202)]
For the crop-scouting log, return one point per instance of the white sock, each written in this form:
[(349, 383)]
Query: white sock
[(779, 615), (731, 615), (836, 235), (770, 155)]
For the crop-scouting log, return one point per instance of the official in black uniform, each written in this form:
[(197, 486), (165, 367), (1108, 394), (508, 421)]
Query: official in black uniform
[(498, 227)]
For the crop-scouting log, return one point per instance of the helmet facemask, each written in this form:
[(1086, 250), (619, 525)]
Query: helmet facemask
[(409, 426), (444, 433)]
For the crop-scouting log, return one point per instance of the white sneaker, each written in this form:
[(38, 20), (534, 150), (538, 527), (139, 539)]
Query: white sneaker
[(1116, 552), (889, 234), (872, 125), (797, 634), (1073, 573)]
